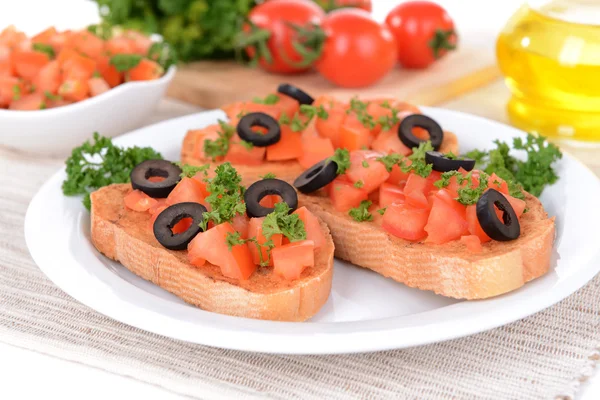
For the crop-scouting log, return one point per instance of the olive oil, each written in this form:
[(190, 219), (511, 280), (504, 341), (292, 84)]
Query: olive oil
[(550, 57)]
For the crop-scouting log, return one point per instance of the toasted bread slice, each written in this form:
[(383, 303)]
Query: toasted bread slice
[(448, 269), (285, 170), (126, 236)]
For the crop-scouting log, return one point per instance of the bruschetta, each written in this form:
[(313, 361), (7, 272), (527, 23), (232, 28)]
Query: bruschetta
[(204, 237)]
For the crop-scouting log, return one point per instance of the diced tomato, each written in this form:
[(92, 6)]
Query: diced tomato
[(187, 190), (76, 66), (446, 220), (29, 102), (330, 126), (141, 43), (238, 109), (11, 37), (212, 246), (109, 72), (58, 103), (344, 195), (182, 225), (415, 191), (74, 89), (210, 132), (289, 146), (98, 86), (240, 224), (371, 176), (405, 222), (146, 70), (517, 204), (49, 78), (44, 36), (312, 225), (377, 111), (137, 200), (29, 63), (7, 67), (389, 142), (238, 154), (446, 195), (473, 243), (495, 182), (287, 105), (390, 194), (291, 259), (60, 40), (255, 231), (120, 45), (200, 178), (474, 226), (158, 207), (354, 135), (270, 200), (87, 43), (9, 86), (314, 151), (397, 176)]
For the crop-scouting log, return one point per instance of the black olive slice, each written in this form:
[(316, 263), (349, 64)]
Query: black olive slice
[(295, 93), (441, 163), (153, 168), (436, 134), (316, 177), (167, 219), (255, 193), (244, 129), (502, 230)]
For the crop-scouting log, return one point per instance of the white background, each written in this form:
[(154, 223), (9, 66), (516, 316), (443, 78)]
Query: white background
[(29, 375)]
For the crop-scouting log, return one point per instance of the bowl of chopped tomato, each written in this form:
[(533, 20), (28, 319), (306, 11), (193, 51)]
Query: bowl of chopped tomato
[(59, 87)]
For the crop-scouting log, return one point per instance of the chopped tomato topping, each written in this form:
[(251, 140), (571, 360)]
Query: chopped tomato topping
[(28, 64), (389, 142), (235, 111), (315, 150), (87, 43), (210, 132), (109, 72), (49, 78), (344, 195), (473, 243), (34, 101), (397, 176), (240, 224), (239, 154), (255, 231), (495, 182), (289, 146), (312, 225), (474, 226), (137, 200), (98, 86), (187, 190), (74, 89), (75, 65), (446, 220), (120, 45), (390, 194), (517, 204), (182, 225), (366, 171), (354, 135), (212, 246), (291, 259), (287, 105), (270, 200), (405, 222), (330, 126), (146, 70)]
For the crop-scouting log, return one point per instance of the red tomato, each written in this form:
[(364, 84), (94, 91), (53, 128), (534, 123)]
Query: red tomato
[(446, 220), (390, 194), (344, 195), (291, 259), (354, 135), (289, 146), (364, 168), (239, 154), (210, 132), (517, 204), (287, 105), (137, 200), (87, 43), (182, 226), (416, 191), (240, 224), (405, 222), (98, 86), (146, 70), (211, 246), (74, 89), (187, 190), (312, 225), (315, 150), (76, 66), (236, 110), (473, 243), (389, 142), (495, 182), (424, 32), (49, 78), (358, 51), (273, 18), (329, 5), (330, 127), (397, 176), (474, 226), (109, 72), (255, 231), (29, 102), (29, 63)]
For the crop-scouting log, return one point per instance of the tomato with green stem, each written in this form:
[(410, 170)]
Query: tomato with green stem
[(358, 51), (280, 35), (424, 32)]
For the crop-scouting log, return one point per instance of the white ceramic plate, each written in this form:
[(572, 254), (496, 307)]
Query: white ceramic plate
[(365, 311)]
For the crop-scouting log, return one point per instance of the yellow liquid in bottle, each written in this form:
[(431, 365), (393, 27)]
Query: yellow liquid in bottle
[(550, 58)]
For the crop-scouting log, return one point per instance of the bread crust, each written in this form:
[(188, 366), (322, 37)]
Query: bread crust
[(126, 236)]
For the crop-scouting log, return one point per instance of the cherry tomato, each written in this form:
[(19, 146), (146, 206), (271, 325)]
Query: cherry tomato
[(270, 37), (358, 51), (424, 32), (330, 5)]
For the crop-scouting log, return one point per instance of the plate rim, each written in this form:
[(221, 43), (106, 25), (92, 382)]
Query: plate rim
[(329, 339)]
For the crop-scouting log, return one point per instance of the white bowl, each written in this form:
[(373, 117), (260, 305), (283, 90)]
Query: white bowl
[(56, 131)]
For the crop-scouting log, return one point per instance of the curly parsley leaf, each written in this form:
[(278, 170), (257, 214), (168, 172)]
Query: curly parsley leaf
[(268, 175), (100, 163), (189, 171), (417, 158), (281, 221), (226, 197), (381, 211), (219, 146), (389, 161), (341, 158), (359, 184), (233, 239), (361, 213), (16, 89), (247, 145), (125, 62), (269, 100), (44, 48), (359, 108)]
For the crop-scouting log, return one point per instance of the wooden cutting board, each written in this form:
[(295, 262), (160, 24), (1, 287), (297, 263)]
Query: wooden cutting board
[(211, 84)]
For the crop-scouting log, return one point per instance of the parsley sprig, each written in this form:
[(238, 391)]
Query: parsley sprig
[(219, 146), (269, 100), (417, 158), (359, 108), (341, 158), (100, 163), (125, 62), (44, 48), (303, 117), (281, 221), (189, 171), (226, 197), (361, 213)]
